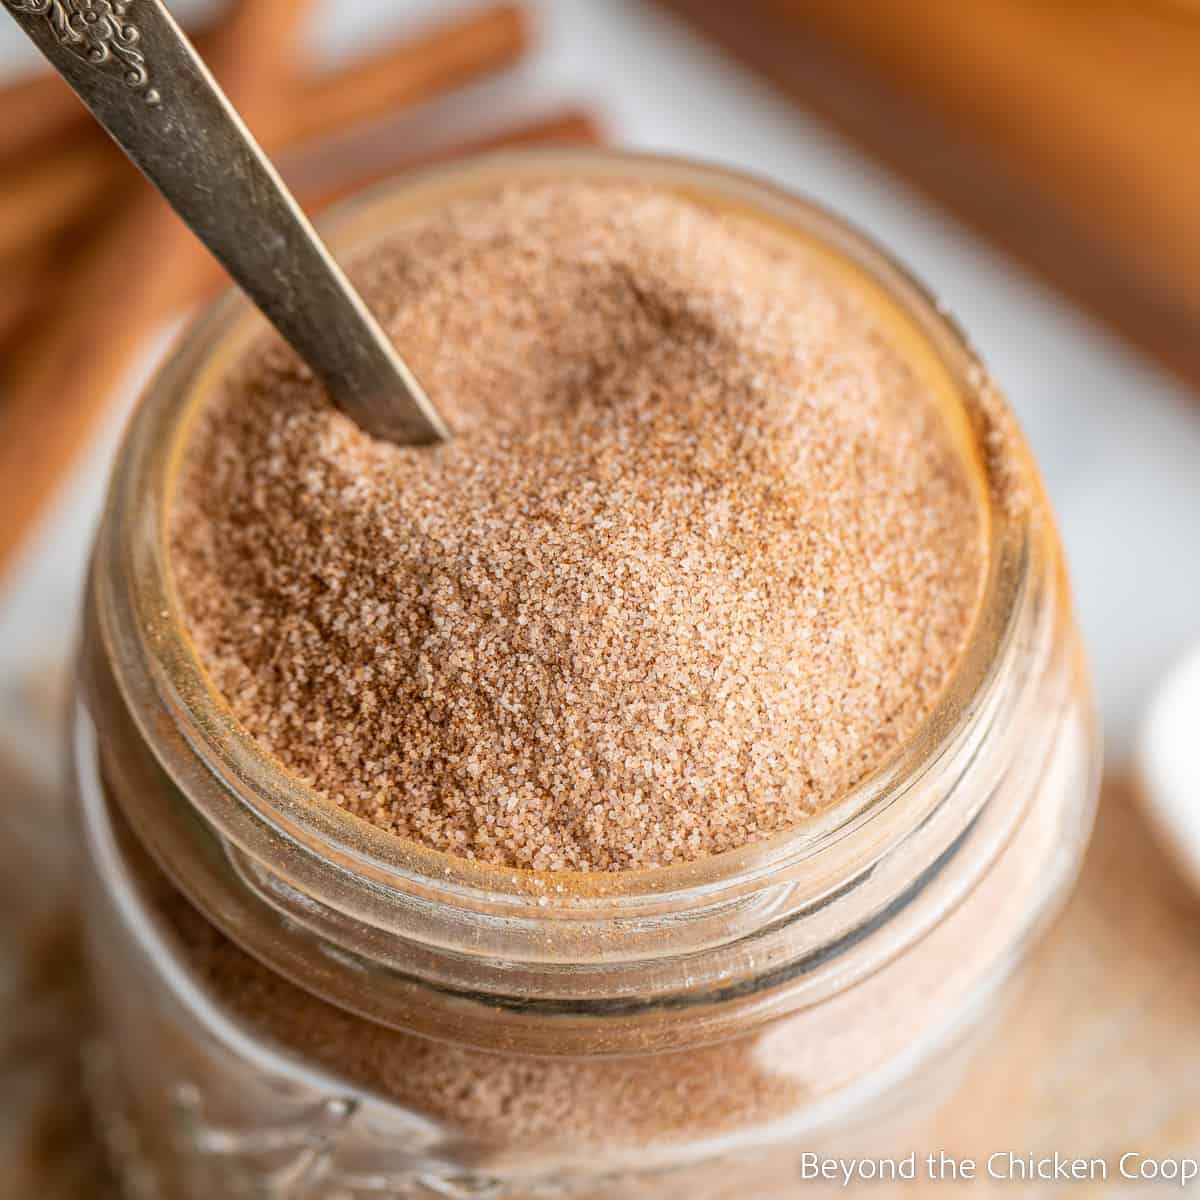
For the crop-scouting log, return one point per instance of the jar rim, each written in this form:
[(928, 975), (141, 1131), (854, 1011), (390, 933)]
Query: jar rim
[(484, 954), (158, 647)]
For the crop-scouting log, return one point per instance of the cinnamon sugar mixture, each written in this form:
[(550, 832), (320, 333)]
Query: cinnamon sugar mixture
[(701, 554), (496, 1100)]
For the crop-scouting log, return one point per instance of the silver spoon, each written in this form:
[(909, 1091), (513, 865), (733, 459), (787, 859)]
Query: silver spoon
[(140, 77)]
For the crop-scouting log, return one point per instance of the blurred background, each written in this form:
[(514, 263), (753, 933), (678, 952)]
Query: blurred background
[(1033, 161)]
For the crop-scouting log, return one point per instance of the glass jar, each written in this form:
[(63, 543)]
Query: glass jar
[(335, 1012)]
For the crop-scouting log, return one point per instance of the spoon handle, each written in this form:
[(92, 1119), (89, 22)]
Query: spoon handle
[(140, 77)]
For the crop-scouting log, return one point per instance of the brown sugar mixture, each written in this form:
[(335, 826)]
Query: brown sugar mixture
[(702, 552)]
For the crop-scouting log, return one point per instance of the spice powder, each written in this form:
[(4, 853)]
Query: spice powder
[(702, 552)]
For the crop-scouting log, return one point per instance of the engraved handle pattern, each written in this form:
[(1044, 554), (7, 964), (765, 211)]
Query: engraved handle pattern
[(100, 32), (186, 138)]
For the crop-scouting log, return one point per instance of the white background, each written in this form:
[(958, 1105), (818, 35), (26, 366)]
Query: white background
[(1118, 440)]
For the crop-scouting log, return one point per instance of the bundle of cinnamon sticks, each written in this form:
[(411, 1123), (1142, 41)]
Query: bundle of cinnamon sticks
[(91, 259)]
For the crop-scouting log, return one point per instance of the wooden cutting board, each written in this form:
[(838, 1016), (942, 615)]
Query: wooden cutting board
[(1098, 1053), (1067, 131)]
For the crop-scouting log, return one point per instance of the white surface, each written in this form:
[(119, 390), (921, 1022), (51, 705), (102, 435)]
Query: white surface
[(1169, 768), (1119, 441)]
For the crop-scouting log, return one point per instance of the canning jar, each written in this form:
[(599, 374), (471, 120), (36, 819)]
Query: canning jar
[(293, 1003)]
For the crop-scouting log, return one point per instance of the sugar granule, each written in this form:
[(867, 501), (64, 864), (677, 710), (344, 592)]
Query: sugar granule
[(701, 553)]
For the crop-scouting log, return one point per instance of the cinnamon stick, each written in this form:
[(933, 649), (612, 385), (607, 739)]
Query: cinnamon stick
[(431, 64), (37, 111), (33, 277), (39, 199), (22, 277), (62, 376), (42, 197)]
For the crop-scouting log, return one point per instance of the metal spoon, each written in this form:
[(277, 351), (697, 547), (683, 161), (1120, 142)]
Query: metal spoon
[(136, 71)]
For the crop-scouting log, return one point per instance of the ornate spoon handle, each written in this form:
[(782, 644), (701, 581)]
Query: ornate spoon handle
[(136, 71)]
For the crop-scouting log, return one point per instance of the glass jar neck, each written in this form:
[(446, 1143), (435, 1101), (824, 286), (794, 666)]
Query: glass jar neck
[(513, 959)]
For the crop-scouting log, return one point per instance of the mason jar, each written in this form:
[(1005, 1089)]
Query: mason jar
[(295, 1004)]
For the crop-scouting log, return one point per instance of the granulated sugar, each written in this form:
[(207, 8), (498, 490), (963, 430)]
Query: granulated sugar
[(701, 554)]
